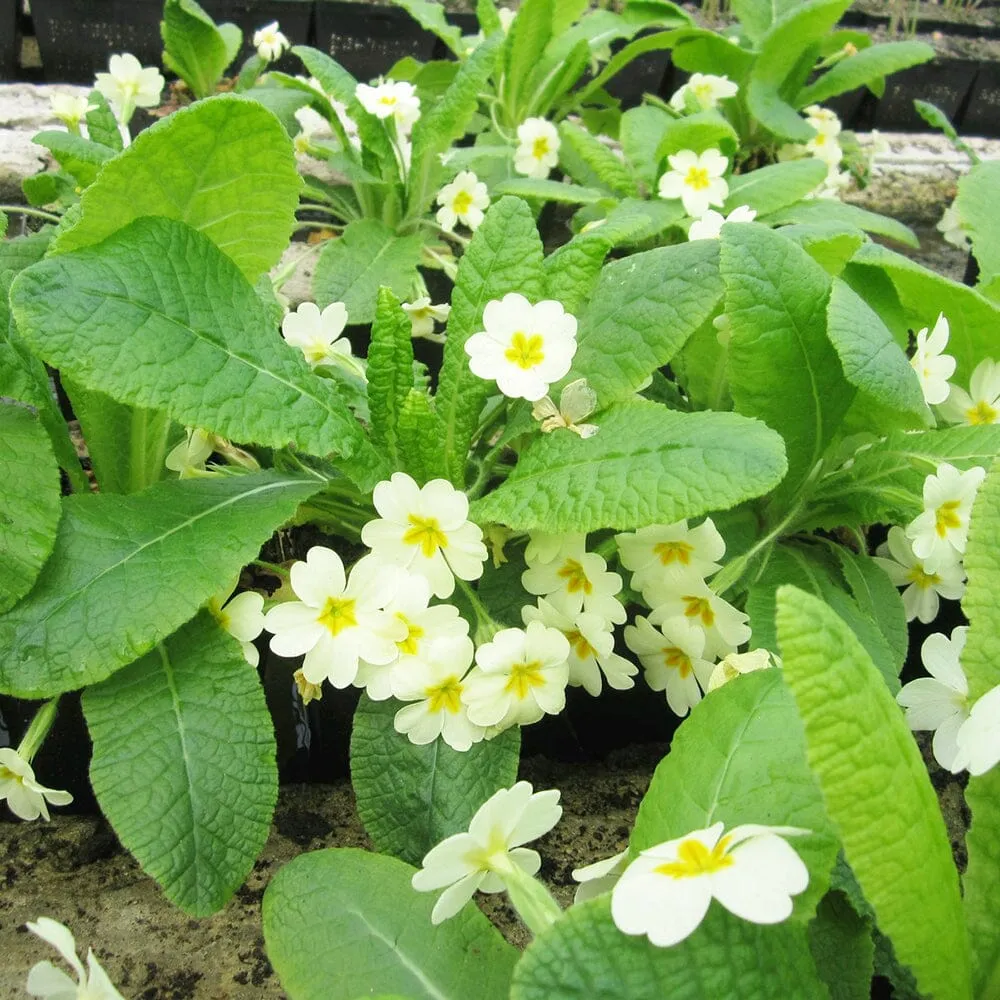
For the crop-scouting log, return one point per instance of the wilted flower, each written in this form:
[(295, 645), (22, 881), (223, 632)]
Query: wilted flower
[(423, 315)]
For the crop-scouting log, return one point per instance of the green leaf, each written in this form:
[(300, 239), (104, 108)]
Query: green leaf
[(584, 956), (877, 792), (757, 16), (698, 50), (642, 312), (977, 208), (430, 17), (225, 166), (158, 317), (411, 797), (390, 373), (782, 48), (546, 190), (418, 430), (641, 131), (827, 210), (872, 360), (830, 244), (604, 164), (552, 83), (522, 52), (741, 758), (775, 187), (187, 775), (842, 948), (79, 157), (981, 882), (102, 126), (126, 571), (367, 255), (194, 47), (646, 465), (343, 923), (505, 255), (700, 131), (573, 269), (863, 67), (782, 367), (29, 500), (981, 657)]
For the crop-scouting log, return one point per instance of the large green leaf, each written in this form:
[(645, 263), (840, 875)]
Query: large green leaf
[(980, 214), (183, 764), (777, 186), (193, 46), (157, 317), (640, 132), (522, 52), (782, 367), (877, 793), (390, 373), (339, 924), (642, 312), (585, 957), (411, 797), (573, 269), (821, 210), (367, 255), (981, 656), (981, 882), (741, 758), (647, 464), (225, 166), (600, 160), (842, 948), (29, 500), (126, 571), (505, 255), (757, 16)]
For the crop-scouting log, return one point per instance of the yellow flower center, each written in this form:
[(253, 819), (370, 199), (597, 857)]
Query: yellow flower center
[(981, 413), (388, 100), (820, 139), (525, 351), (921, 578), (6, 774), (425, 532), (699, 607), (337, 614), (576, 579), (446, 696), (461, 203), (946, 518), (414, 633), (677, 659), (697, 178), (703, 92), (694, 858), (579, 644), (540, 148), (674, 552), (524, 677)]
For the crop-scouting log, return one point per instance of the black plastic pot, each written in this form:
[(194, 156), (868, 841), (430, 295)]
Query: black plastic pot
[(367, 39), (10, 39), (982, 114), (946, 83), (644, 75), (76, 37), (925, 25)]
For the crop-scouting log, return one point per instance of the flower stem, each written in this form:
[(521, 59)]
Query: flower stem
[(486, 626), (35, 213), (38, 729), (534, 903), (273, 568)]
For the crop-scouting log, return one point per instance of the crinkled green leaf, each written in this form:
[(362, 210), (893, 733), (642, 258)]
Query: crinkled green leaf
[(757, 16), (863, 67), (981, 882), (830, 244), (158, 317), (126, 571), (775, 187), (831, 210), (390, 373), (505, 255), (700, 131), (643, 310), (102, 125), (184, 763), (29, 500), (877, 792), (546, 190), (741, 758), (343, 923), (523, 49), (225, 166), (418, 429), (977, 208), (585, 957), (194, 48), (411, 797), (640, 132), (782, 367), (605, 165), (573, 269), (646, 465), (79, 157), (842, 948), (367, 255)]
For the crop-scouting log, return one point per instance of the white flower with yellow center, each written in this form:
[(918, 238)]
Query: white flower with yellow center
[(725, 627), (520, 675), (940, 702), (26, 798), (269, 42), (188, 457), (70, 109), (932, 365), (667, 890), (940, 532), (243, 618), (981, 404), (979, 736), (524, 347), (703, 91), (464, 200), (423, 315), (822, 119), (127, 85), (318, 334), (709, 226), (922, 590), (660, 554), (598, 877), (424, 627), (338, 620), (434, 684), (576, 580), (480, 859), (427, 531), (673, 660), (591, 647), (394, 99), (697, 179), (537, 148), (736, 664), (51, 983)]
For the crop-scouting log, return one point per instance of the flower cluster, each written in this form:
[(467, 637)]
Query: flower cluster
[(824, 146)]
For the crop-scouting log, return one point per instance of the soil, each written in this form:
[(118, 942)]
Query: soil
[(957, 13)]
